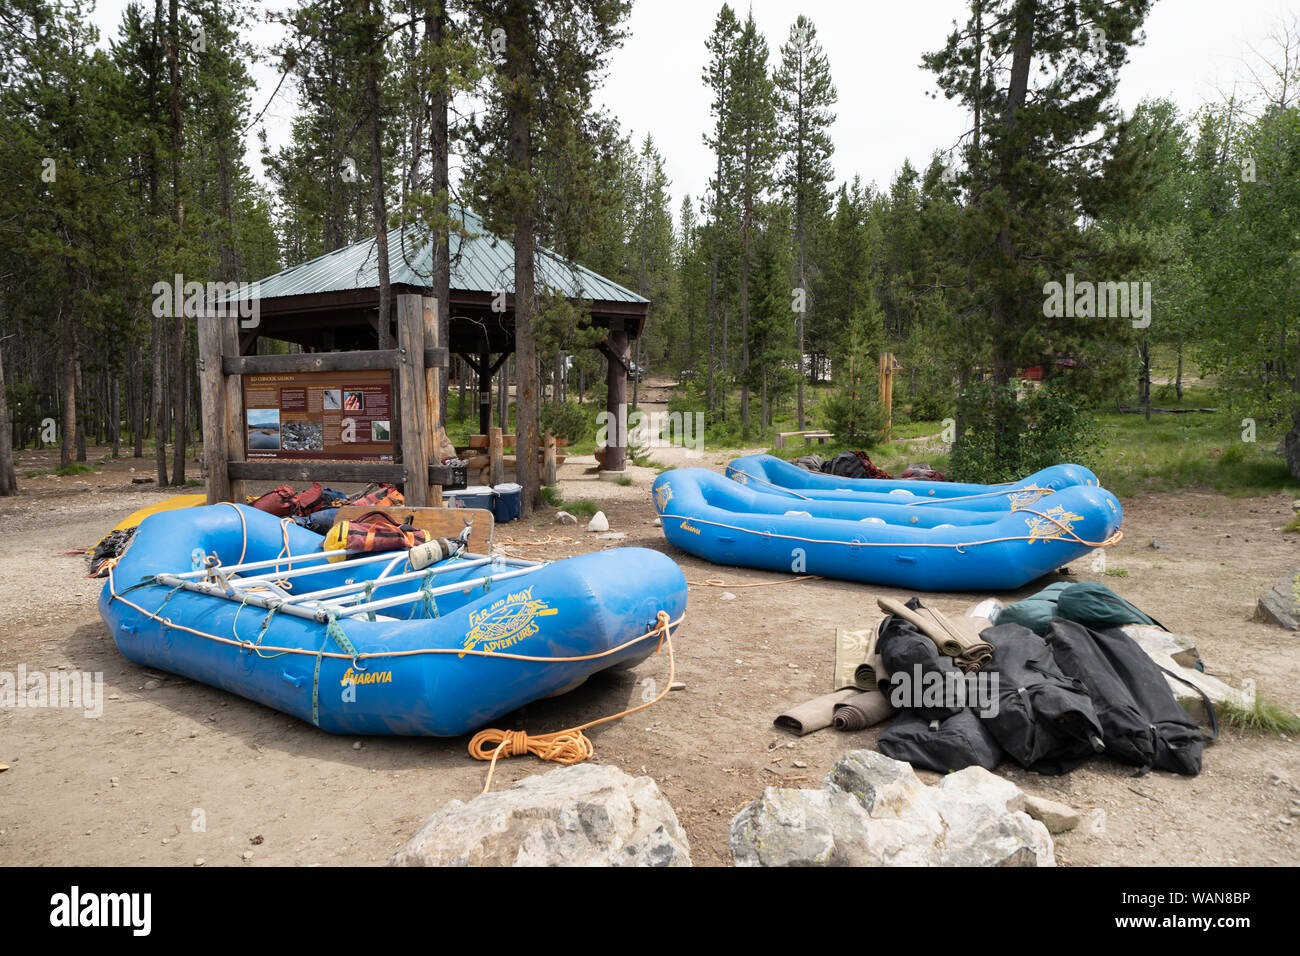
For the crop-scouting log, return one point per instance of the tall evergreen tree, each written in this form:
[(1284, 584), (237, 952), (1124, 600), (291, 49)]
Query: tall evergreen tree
[(805, 96)]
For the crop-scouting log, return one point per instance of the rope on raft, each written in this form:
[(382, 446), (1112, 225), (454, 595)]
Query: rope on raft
[(960, 546), (906, 504), (719, 583)]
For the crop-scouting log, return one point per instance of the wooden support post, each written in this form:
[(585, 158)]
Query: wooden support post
[(432, 394), (549, 461), (484, 391), (212, 390), (496, 457), (616, 401), (234, 408), (414, 406), (887, 390)]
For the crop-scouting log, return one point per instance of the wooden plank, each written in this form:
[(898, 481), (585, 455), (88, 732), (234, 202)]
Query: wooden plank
[(374, 359), (439, 522), (414, 406), (435, 357), (234, 424), (495, 450), (212, 390), (484, 441), (323, 471)]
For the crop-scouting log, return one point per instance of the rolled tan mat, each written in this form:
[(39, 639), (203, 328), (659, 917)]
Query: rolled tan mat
[(862, 710), (870, 674), (959, 639), (815, 714), (853, 646)]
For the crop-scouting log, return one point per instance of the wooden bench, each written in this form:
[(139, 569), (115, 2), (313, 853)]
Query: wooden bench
[(481, 451), (821, 436)]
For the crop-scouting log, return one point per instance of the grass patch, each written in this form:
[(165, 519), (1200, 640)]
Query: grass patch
[(1265, 716), (1293, 525), (66, 471), (582, 508), (625, 481)]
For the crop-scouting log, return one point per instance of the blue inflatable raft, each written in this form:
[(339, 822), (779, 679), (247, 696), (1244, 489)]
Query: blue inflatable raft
[(771, 474), (921, 549), (367, 646)]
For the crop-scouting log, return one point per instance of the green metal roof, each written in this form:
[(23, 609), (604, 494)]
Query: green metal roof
[(480, 262)]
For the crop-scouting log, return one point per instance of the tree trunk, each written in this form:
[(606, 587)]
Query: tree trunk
[(378, 206), (520, 104), (713, 324), (8, 477), (81, 432), (69, 443), (158, 419), (179, 419), (435, 32)]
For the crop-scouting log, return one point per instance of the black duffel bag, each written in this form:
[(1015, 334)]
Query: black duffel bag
[(1142, 723), (1045, 720)]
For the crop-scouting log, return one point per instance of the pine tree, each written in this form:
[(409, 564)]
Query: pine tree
[(752, 127), (804, 96), (1038, 77)]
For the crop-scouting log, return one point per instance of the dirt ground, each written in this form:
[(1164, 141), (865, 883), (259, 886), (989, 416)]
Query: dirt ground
[(175, 772)]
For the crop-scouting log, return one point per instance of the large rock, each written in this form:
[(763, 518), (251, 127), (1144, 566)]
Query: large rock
[(1169, 651), (1281, 606), (1057, 817), (875, 811), (1156, 640), (584, 815)]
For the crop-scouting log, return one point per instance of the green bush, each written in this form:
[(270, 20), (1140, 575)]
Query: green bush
[(568, 420), (1008, 436)]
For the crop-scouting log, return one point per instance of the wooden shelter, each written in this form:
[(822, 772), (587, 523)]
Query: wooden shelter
[(330, 303)]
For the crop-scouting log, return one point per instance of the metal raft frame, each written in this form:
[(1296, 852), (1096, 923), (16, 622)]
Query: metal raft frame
[(346, 600)]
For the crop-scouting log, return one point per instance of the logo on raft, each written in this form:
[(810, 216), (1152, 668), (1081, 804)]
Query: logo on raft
[(506, 622), (663, 495), (689, 527), (1052, 524), (366, 677), (1028, 496)]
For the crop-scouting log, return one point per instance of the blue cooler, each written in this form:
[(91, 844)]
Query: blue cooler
[(476, 496), (506, 502)]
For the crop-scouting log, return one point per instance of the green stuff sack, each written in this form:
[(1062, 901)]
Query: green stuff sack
[(1098, 607), (1036, 611), (1088, 603)]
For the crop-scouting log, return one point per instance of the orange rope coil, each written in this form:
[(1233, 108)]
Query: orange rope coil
[(564, 746)]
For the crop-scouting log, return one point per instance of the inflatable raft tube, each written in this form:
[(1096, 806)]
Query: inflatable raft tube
[(436, 662), (725, 522), (769, 473)]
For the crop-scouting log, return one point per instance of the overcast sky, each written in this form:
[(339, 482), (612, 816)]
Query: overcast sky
[(885, 115)]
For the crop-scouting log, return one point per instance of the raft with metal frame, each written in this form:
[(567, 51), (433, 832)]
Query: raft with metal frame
[(238, 599), (772, 474), (922, 549)]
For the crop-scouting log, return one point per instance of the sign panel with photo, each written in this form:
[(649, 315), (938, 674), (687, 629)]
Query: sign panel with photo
[(321, 416)]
